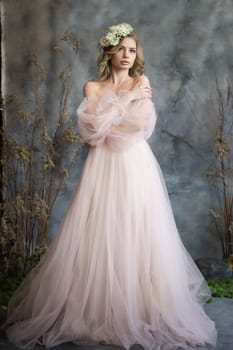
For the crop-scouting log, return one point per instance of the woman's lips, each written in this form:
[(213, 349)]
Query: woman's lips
[(124, 62)]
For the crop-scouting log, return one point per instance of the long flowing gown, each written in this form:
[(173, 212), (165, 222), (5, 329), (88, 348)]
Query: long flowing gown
[(117, 271)]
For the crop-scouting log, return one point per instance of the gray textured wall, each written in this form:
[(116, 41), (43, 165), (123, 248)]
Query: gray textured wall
[(185, 43)]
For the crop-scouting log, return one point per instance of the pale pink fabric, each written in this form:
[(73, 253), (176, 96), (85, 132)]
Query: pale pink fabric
[(105, 120), (117, 272)]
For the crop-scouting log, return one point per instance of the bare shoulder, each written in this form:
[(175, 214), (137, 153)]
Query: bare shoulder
[(90, 88), (144, 79)]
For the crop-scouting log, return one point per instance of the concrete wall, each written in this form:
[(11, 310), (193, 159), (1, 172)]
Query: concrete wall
[(186, 42)]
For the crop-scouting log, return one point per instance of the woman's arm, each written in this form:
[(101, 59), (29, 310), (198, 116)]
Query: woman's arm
[(99, 115)]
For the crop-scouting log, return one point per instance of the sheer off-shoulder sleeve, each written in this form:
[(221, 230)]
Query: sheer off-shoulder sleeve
[(106, 120), (97, 115)]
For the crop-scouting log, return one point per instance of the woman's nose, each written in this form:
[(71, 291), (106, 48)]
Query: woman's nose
[(125, 53)]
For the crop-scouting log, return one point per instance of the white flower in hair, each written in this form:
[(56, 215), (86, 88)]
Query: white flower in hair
[(112, 39), (115, 34)]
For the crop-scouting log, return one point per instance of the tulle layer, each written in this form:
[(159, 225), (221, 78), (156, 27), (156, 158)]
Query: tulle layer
[(117, 272), (106, 120)]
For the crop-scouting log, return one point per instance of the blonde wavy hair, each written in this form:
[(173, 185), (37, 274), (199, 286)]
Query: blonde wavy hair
[(104, 60)]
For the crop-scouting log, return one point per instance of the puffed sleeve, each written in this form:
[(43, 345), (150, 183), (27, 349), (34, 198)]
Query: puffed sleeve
[(106, 120), (96, 117)]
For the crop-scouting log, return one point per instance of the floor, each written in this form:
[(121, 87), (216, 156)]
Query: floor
[(220, 310)]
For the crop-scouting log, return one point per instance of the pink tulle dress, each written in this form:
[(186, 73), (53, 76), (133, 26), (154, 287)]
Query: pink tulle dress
[(117, 271)]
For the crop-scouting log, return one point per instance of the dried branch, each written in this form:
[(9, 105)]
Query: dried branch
[(35, 168)]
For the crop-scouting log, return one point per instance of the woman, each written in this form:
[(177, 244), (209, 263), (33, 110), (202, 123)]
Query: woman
[(117, 272)]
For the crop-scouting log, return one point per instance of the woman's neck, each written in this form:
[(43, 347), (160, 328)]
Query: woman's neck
[(118, 78)]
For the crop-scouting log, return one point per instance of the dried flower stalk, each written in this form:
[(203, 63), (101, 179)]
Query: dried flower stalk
[(220, 173), (36, 163)]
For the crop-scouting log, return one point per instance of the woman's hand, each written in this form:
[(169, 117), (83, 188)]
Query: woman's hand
[(140, 91)]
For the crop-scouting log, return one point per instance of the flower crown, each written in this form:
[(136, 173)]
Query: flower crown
[(115, 34)]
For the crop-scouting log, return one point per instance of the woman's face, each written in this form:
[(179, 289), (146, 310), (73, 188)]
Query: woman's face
[(125, 57)]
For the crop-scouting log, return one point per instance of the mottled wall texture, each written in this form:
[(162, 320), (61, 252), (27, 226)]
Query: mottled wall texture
[(186, 43)]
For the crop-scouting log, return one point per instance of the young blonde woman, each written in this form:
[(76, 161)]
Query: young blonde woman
[(117, 272)]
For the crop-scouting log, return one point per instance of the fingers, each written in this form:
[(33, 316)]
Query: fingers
[(141, 91), (147, 91)]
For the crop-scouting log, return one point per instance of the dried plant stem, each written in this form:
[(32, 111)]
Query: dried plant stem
[(35, 164)]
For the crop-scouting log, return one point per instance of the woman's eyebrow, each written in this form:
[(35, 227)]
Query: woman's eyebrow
[(128, 47)]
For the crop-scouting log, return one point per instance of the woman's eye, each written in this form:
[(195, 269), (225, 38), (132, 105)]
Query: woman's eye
[(133, 51), (120, 48)]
